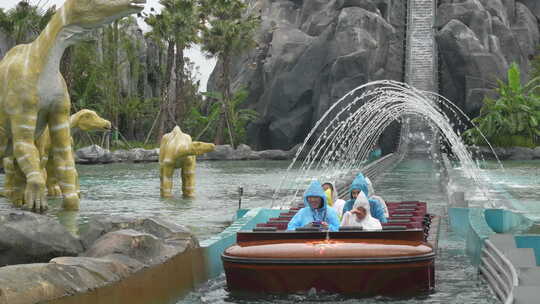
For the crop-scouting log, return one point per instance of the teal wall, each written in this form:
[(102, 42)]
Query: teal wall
[(530, 241), (213, 247), (477, 224), (504, 221)]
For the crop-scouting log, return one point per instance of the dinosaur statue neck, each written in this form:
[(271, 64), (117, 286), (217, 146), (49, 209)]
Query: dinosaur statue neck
[(56, 37)]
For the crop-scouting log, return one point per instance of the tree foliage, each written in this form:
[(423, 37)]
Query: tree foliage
[(25, 21), (513, 118)]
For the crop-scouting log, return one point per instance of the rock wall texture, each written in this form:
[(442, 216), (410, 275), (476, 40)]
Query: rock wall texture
[(309, 54), (478, 40), (115, 249)]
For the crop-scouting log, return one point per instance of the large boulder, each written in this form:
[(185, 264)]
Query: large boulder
[(40, 282), (309, 54), (478, 40), (159, 228), (27, 237), (115, 253), (221, 152)]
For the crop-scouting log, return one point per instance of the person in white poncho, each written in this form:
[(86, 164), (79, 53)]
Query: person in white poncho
[(360, 215), (376, 197)]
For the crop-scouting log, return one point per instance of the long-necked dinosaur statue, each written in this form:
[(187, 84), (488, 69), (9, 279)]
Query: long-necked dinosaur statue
[(33, 95), (84, 120), (177, 150)]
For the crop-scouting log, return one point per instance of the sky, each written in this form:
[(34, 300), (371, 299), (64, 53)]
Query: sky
[(205, 65)]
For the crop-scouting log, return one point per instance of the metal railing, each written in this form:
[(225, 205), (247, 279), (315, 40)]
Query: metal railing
[(499, 272)]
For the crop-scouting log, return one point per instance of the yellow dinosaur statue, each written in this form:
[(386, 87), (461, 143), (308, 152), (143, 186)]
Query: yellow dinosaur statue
[(84, 120), (177, 150), (33, 95)]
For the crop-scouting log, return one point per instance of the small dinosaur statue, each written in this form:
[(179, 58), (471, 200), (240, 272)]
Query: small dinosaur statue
[(177, 150), (85, 120), (33, 95)]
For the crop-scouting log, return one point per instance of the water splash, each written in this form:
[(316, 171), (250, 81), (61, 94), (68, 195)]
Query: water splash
[(342, 139)]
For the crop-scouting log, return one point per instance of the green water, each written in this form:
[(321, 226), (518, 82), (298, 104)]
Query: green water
[(133, 190)]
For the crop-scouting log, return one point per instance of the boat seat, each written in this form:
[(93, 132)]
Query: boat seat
[(281, 218), (264, 229), (415, 213), (308, 229), (409, 225), (350, 228), (403, 215), (399, 220), (410, 218), (394, 227)]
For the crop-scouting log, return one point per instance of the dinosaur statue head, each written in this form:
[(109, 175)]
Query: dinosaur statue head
[(88, 120), (91, 14)]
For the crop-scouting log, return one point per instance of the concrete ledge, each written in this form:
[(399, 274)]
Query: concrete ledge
[(529, 276), (526, 295), (521, 257)]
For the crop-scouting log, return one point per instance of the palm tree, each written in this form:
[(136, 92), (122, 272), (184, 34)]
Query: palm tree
[(227, 33), (178, 26)]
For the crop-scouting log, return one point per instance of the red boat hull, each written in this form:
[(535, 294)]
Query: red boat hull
[(369, 279)]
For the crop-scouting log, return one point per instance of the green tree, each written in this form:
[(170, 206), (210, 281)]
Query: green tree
[(178, 26), (25, 21), (512, 119), (228, 32), (238, 118)]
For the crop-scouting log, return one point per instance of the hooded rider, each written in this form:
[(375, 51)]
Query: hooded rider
[(358, 185), (332, 196), (376, 197), (315, 211), (360, 215)]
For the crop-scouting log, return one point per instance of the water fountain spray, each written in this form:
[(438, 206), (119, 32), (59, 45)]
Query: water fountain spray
[(343, 137)]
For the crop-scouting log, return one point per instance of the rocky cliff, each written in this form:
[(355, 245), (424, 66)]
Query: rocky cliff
[(478, 40), (309, 54)]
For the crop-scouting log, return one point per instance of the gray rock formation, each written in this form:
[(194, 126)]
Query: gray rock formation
[(310, 53), (478, 40), (244, 152), (27, 237), (119, 247), (95, 154)]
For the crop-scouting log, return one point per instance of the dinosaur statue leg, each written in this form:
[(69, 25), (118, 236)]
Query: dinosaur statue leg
[(9, 180), (18, 186), (27, 156), (53, 189), (62, 154), (166, 172), (188, 176)]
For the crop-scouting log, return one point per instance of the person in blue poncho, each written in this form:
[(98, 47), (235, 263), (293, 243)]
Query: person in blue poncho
[(360, 184), (315, 211)]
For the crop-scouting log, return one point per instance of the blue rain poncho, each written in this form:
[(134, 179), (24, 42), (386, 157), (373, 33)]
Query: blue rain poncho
[(308, 215), (360, 183)]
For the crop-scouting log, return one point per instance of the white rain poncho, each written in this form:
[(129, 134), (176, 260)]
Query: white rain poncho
[(368, 223), (372, 195)]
